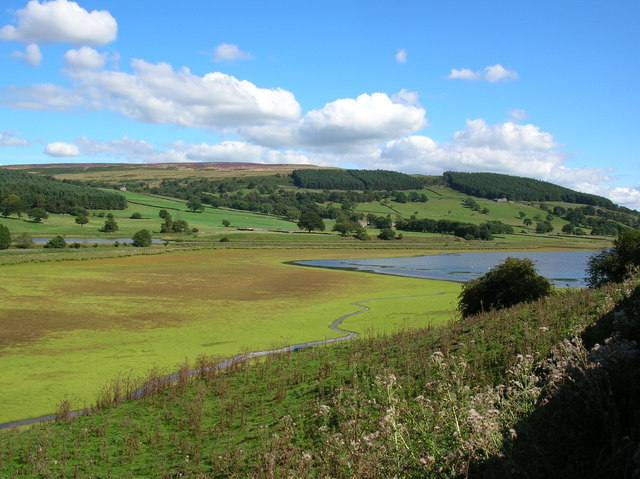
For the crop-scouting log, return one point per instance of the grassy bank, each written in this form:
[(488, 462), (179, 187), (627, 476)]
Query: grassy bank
[(489, 396)]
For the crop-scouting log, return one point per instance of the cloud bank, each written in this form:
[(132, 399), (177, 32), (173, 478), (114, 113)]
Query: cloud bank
[(156, 93), (345, 125)]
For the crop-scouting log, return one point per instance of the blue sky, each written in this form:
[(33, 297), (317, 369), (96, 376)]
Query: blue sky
[(541, 89)]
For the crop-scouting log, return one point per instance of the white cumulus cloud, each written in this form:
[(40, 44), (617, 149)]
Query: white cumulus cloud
[(156, 93), (85, 58), (503, 148), (229, 52), (61, 21), (31, 56), (8, 138), (401, 56), (60, 149), (497, 73), (492, 74), (464, 74), (344, 125), (509, 136)]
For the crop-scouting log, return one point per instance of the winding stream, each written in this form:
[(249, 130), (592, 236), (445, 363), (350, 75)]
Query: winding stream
[(226, 363)]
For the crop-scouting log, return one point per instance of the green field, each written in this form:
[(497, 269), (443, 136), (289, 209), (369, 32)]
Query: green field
[(68, 327), (207, 222), (446, 203), (271, 230)]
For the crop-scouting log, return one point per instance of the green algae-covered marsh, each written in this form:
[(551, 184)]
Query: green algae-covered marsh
[(69, 327)]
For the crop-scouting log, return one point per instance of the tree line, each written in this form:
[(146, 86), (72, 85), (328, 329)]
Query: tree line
[(327, 179), (516, 188), (469, 231), (23, 192)]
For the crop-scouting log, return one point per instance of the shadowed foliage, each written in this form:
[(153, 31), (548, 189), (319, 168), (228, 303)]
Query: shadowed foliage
[(512, 282)]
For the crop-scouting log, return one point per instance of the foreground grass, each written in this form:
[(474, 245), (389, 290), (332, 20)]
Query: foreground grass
[(481, 397), (106, 316)]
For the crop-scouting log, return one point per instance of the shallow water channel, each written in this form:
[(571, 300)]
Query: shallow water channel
[(562, 268)]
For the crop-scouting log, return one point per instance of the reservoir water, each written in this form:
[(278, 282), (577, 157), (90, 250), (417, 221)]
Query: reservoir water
[(562, 268)]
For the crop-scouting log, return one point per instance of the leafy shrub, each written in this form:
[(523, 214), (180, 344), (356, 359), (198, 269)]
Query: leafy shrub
[(387, 234), (512, 282), (612, 264), (142, 239), (56, 242)]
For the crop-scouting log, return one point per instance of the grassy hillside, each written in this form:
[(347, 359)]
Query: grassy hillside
[(508, 394), (443, 203), (208, 222), (263, 197)]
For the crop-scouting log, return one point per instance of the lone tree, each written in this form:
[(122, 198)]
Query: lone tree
[(38, 214), (512, 282), (142, 239), (81, 220), (612, 264), (195, 205), (309, 221), (5, 237), (110, 225)]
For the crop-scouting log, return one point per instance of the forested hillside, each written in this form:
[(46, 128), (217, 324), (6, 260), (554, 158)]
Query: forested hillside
[(21, 192), (516, 188), (355, 180)]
